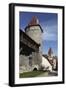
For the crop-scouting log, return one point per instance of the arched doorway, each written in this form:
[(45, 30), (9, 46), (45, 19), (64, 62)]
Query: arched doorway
[(35, 69)]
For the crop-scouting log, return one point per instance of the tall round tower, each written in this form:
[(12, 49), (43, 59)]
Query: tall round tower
[(34, 30)]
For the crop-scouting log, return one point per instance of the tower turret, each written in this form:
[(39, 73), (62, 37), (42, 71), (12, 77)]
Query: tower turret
[(34, 30)]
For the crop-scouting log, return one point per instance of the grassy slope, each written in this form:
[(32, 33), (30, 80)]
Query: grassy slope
[(30, 74)]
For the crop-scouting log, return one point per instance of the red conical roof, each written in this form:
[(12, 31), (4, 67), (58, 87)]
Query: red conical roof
[(34, 21)]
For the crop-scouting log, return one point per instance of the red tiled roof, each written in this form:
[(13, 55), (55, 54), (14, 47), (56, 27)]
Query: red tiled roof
[(34, 21)]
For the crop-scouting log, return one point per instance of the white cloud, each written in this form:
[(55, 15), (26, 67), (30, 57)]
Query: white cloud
[(49, 36), (50, 32)]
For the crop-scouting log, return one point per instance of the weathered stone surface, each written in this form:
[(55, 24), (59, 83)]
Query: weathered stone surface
[(34, 32)]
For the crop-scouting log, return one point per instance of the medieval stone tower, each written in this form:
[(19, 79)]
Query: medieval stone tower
[(34, 30)]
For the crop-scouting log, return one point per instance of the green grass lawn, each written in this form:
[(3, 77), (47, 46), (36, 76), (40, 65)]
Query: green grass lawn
[(30, 74)]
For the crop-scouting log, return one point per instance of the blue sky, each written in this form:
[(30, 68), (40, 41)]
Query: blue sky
[(48, 22)]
